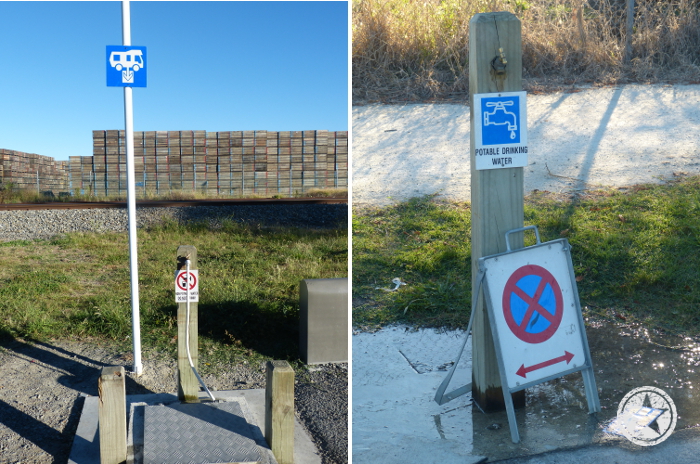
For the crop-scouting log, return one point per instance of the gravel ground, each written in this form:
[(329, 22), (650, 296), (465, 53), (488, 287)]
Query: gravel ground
[(43, 385), (28, 225)]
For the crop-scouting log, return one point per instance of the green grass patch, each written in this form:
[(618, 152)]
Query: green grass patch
[(77, 286), (634, 253), (424, 243)]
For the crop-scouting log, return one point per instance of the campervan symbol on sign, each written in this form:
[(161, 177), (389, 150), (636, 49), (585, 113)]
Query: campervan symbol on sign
[(126, 66), (500, 130)]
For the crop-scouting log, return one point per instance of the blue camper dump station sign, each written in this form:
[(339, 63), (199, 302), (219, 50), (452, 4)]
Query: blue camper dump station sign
[(126, 66), (500, 130)]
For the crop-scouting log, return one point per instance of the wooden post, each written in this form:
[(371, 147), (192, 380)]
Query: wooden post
[(497, 194), (112, 415), (187, 385), (579, 22), (629, 31), (279, 410)]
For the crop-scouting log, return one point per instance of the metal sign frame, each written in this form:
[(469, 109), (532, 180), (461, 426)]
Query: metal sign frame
[(586, 367)]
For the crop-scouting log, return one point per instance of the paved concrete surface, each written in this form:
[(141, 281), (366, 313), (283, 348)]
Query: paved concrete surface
[(612, 136), (86, 448), (395, 420), (397, 370), (683, 447)]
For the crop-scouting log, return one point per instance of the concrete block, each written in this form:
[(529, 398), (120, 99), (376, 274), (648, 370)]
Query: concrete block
[(323, 330)]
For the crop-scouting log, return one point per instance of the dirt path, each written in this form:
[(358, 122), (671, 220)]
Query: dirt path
[(613, 136)]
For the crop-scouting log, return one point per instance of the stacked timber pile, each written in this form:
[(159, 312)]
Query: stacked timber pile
[(81, 174), (236, 163), (32, 171)]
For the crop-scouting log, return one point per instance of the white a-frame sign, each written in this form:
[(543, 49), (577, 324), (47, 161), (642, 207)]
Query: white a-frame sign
[(536, 322)]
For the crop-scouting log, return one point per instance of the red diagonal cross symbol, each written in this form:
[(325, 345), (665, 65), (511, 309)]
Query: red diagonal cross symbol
[(534, 303), (511, 290)]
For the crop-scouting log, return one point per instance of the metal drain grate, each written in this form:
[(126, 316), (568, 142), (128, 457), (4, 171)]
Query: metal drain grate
[(198, 433)]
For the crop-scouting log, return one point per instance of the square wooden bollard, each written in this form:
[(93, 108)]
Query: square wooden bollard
[(279, 410), (112, 415)]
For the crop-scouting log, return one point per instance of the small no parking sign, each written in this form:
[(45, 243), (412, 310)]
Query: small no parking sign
[(187, 281)]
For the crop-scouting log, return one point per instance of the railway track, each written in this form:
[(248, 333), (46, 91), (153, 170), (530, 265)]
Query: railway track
[(169, 203)]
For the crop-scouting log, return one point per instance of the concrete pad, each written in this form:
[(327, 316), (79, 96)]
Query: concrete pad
[(613, 136), (683, 447), (395, 420), (86, 448), (396, 372)]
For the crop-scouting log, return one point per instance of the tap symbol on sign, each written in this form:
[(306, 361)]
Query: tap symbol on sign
[(500, 116)]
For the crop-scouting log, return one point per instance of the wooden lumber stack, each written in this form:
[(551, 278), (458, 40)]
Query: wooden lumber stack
[(32, 172), (229, 163), (340, 153)]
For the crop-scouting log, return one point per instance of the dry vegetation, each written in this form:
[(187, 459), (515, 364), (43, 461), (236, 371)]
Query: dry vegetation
[(10, 194), (417, 50)]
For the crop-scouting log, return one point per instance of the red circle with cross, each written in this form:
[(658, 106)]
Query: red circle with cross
[(182, 280), (533, 304)]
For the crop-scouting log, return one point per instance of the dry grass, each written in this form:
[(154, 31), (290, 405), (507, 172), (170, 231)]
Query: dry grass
[(409, 50)]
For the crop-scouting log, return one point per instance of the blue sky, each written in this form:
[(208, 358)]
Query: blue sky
[(214, 66)]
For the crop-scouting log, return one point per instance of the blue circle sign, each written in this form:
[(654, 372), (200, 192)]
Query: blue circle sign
[(533, 304)]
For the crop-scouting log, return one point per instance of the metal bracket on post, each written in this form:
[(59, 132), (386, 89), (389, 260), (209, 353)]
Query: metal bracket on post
[(498, 64)]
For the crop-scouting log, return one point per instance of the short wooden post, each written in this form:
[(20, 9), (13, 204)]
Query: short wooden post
[(187, 385), (279, 410), (497, 194), (112, 415)]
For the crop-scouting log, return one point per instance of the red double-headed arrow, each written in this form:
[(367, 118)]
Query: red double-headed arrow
[(523, 371)]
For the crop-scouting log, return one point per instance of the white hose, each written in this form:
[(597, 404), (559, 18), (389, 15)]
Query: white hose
[(187, 331)]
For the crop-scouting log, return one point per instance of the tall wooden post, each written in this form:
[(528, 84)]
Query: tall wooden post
[(496, 194), (187, 385)]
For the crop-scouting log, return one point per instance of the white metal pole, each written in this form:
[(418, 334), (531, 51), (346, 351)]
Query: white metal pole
[(131, 201)]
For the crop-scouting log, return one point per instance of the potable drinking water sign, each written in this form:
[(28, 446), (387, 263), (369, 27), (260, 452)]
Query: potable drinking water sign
[(500, 130), (187, 282), (126, 66)]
